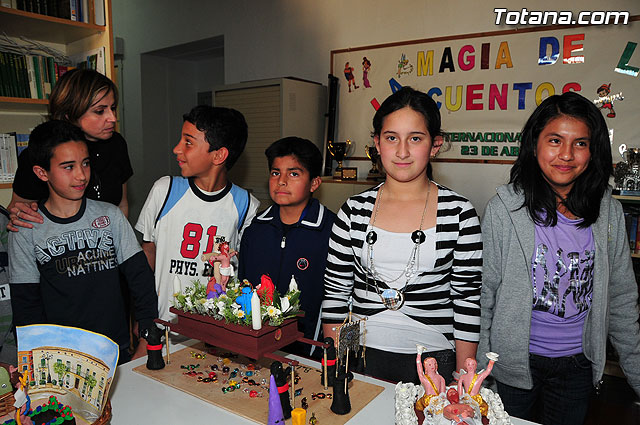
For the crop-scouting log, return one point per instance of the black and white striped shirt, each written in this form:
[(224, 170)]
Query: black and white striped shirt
[(446, 298)]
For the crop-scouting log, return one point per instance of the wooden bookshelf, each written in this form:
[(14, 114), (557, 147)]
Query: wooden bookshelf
[(16, 23), (68, 37), (627, 198)]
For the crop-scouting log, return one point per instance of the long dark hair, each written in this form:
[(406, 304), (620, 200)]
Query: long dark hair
[(584, 198), (419, 102)]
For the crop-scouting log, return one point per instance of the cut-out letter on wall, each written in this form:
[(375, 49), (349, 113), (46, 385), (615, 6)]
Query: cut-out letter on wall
[(545, 42), (623, 64)]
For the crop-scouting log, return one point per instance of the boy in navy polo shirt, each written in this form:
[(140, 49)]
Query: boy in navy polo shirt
[(291, 237)]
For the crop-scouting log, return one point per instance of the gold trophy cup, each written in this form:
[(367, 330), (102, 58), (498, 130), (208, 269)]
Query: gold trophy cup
[(373, 155), (339, 150)]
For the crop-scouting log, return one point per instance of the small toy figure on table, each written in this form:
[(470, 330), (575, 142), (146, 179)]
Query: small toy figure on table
[(472, 381), (279, 375), (23, 402), (430, 379), (220, 261)]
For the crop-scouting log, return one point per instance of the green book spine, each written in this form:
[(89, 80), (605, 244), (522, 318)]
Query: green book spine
[(3, 75), (51, 67), (36, 65), (13, 75), (24, 77)]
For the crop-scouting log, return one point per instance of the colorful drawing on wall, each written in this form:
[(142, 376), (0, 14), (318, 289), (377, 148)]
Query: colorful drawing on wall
[(74, 365), (605, 99), (404, 67), (348, 74), (366, 66), (486, 84)]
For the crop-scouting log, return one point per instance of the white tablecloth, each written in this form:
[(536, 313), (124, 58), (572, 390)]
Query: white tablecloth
[(137, 399)]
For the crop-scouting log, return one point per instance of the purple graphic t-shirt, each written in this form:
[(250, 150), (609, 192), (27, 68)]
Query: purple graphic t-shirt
[(562, 277)]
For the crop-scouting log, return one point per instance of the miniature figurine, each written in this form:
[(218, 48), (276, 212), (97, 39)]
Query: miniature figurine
[(452, 396), (313, 420), (280, 376), (245, 300), (265, 289), (432, 382), (23, 401), (217, 284), (275, 407), (458, 413), (341, 404), (472, 381), (153, 335)]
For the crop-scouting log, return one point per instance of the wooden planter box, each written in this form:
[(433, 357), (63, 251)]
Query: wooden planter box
[(239, 339)]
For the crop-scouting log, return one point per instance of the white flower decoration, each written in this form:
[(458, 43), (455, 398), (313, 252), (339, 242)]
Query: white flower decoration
[(239, 314), (209, 304), (284, 303), (272, 311)]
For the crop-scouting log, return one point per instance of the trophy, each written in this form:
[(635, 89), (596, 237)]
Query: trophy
[(373, 155), (627, 172), (339, 151)]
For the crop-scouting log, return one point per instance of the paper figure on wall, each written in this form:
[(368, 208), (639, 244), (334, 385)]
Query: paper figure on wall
[(404, 67), (605, 99), (366, 66), (348, 74)]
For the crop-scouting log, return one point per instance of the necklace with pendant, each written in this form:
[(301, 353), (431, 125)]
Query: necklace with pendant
[(393, 299)]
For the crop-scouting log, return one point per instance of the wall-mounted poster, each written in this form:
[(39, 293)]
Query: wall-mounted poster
[(487, 84)]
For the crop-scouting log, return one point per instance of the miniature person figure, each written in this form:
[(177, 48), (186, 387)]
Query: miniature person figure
[(341, 404), (472, 381), (222, 268), (432, 382), (266, 288), (604, 91), (348, 74), (280, 378), (458, 413), (245, 300), (276, 415), (153, 335), (23, 402)]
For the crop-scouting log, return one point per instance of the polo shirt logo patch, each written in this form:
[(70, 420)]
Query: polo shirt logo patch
[(302, 263), (101, 222)]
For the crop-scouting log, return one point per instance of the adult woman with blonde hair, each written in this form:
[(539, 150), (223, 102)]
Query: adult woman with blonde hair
[(89, 100)]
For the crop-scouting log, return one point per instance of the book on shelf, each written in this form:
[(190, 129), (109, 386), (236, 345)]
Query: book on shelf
[(22, 141), (99, 16), (91, 59), (29, 76), (87, 11), (8, 157)]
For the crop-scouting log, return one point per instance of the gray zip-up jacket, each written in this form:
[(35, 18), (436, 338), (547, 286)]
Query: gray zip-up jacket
[(508, 233)]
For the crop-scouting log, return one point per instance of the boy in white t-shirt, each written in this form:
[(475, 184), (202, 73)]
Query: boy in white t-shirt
[(182, 215)]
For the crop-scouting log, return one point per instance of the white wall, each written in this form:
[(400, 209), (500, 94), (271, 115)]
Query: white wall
[(276, 38)]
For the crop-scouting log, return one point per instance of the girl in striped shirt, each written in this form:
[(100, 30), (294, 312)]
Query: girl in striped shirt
[(407, 254)]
